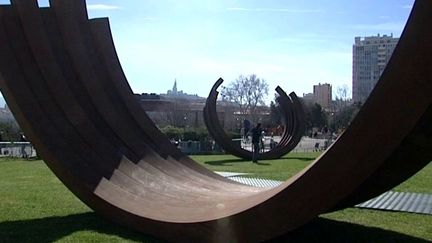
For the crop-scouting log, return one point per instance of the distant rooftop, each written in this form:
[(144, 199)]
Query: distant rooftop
[(378, 39)]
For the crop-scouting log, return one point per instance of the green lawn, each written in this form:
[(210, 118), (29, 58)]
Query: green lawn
[(36, 207), (279, 169)]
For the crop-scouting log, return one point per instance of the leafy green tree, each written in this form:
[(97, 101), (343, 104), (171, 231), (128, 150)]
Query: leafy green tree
[(342, 119), (319, 117), (193, 134), (315, 117), (10, 131), (199, 134), (173, 132)]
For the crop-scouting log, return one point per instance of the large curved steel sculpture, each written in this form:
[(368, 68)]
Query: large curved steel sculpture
[(293, 121), (61, 78)]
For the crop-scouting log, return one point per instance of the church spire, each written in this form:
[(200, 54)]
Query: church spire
[(175, 87)]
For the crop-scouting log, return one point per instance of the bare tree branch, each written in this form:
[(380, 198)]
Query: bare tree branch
[(248, 93)]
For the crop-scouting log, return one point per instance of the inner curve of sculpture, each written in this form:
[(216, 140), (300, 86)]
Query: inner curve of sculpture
[(61, 78), (293, 122)]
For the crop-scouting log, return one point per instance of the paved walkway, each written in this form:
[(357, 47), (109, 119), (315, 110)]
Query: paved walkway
[(306, 144), (401, 201)]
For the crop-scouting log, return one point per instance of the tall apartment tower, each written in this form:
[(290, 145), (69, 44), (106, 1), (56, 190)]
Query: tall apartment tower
[(370, 57), (323, 95)]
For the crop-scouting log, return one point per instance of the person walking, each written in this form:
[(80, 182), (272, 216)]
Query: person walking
[(256, 140)]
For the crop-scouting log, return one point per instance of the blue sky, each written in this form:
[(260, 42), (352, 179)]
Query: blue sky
[(294, 44)]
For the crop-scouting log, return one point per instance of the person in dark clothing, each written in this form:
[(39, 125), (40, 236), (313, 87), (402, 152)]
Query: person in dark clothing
[(23, 145), (246, 129), (256, 139)]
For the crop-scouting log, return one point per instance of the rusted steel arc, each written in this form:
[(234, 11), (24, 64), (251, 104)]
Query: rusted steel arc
[(60, 96), (147, 196), (294, 126), (298, 126), (288, 117), (413, 155), (211, 120), (415, 149), (288, 111), (146, 127), (156, 139), (106, 51), (102, 139), (19, 92), (190, 174)]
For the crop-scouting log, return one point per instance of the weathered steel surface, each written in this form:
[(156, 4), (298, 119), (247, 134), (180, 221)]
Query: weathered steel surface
[(293, 122), (61, 78)]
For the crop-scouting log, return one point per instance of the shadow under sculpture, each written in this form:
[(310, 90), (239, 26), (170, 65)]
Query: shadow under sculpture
[(61, 78), (293, 119)]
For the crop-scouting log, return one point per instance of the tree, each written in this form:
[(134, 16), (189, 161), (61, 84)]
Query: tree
[(248, 93), (9, 130), (173, 132), (342, 96), (319, 117), (343, 118), (342, 92), (315, 116), (275, 114)]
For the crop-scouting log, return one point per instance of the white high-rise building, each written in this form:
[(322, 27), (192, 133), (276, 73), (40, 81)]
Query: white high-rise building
[(370, 57)]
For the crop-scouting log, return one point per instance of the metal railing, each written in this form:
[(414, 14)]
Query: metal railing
[(17, 149)]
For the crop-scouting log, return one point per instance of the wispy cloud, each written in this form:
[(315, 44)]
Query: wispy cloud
[(390, 26), (309, 38), (300, 40), (384, 17), (285, 10), (102, 7), (149, 19)]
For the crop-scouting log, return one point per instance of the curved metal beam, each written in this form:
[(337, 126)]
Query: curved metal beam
[(85, 124), (293, 121)]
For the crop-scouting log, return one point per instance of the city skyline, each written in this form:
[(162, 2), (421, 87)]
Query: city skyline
[(294, 44)]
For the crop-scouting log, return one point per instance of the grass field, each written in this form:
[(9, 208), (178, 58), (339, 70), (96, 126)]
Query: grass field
[(36, 207)]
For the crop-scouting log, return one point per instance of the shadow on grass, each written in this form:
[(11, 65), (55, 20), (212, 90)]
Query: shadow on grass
[(227, 161), (327, 230), (55, 228), (302, 158)]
